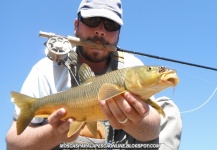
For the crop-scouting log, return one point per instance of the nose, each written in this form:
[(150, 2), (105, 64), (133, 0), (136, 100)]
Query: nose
[(100, 30)]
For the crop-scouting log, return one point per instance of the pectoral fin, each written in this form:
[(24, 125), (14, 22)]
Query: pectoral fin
[(74, 127), (108, 90), (155, 106)]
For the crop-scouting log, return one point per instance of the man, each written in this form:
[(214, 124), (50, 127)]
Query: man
[(131, 119)]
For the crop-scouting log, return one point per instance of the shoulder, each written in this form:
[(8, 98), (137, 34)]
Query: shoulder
[(131, 60), (47, 68), (46, 65), (123, 60)]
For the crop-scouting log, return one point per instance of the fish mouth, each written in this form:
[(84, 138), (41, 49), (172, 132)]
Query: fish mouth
[(170, 77)]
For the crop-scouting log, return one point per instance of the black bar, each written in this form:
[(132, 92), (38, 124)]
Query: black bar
[(167, 59)]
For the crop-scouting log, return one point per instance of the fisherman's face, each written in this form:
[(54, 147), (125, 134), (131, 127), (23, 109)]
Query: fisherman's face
[(96, 34)]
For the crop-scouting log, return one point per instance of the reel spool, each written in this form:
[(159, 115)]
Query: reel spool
[(58, 48)]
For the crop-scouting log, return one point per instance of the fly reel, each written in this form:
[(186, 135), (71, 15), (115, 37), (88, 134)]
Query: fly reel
[(58, 48)]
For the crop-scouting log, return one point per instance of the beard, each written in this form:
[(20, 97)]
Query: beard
[(94, 57)]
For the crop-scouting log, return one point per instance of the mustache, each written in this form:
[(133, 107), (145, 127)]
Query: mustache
[(97, 39)]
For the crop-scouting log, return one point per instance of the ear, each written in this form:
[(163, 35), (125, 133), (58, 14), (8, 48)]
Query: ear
[(76, 26)]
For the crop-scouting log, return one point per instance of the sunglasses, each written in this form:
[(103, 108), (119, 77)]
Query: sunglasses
[(109, 25)]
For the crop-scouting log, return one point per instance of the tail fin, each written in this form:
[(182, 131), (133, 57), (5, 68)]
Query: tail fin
[(25, 103)]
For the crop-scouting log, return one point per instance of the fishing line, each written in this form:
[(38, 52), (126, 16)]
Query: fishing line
[(199, 107), (198, 77), (181, 70)]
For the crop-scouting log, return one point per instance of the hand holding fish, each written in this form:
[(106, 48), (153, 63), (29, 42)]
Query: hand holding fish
[(61, 127), (134, 111)]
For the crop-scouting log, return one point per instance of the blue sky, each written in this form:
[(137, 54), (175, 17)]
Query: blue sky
[(179, 29)]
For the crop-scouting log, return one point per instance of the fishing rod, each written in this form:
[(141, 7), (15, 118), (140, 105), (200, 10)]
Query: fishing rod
[(57, 54), (167, 59)]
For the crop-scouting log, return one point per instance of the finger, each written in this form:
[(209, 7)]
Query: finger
[(129, 111), (139, 105), (119, 107), (64, 126), (54, 118), (106, 109), (113, 121), (115, 108)]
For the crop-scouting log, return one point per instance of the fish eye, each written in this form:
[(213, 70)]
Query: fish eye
[(149, 68)]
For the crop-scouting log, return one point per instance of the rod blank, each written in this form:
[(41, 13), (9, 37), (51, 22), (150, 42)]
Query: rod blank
[(167, 59)]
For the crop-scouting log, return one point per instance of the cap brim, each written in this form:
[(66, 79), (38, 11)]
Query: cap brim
[(101, 13)]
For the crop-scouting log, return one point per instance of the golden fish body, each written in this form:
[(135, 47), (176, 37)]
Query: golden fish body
[(81, 102)]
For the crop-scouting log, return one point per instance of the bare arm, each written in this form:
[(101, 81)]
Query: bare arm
[(143, 121), (41, 137)]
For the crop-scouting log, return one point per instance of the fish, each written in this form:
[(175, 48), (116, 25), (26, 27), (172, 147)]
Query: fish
[(82, 102)]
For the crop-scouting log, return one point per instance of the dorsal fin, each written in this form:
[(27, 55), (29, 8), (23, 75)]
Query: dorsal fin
[(85, 73)]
